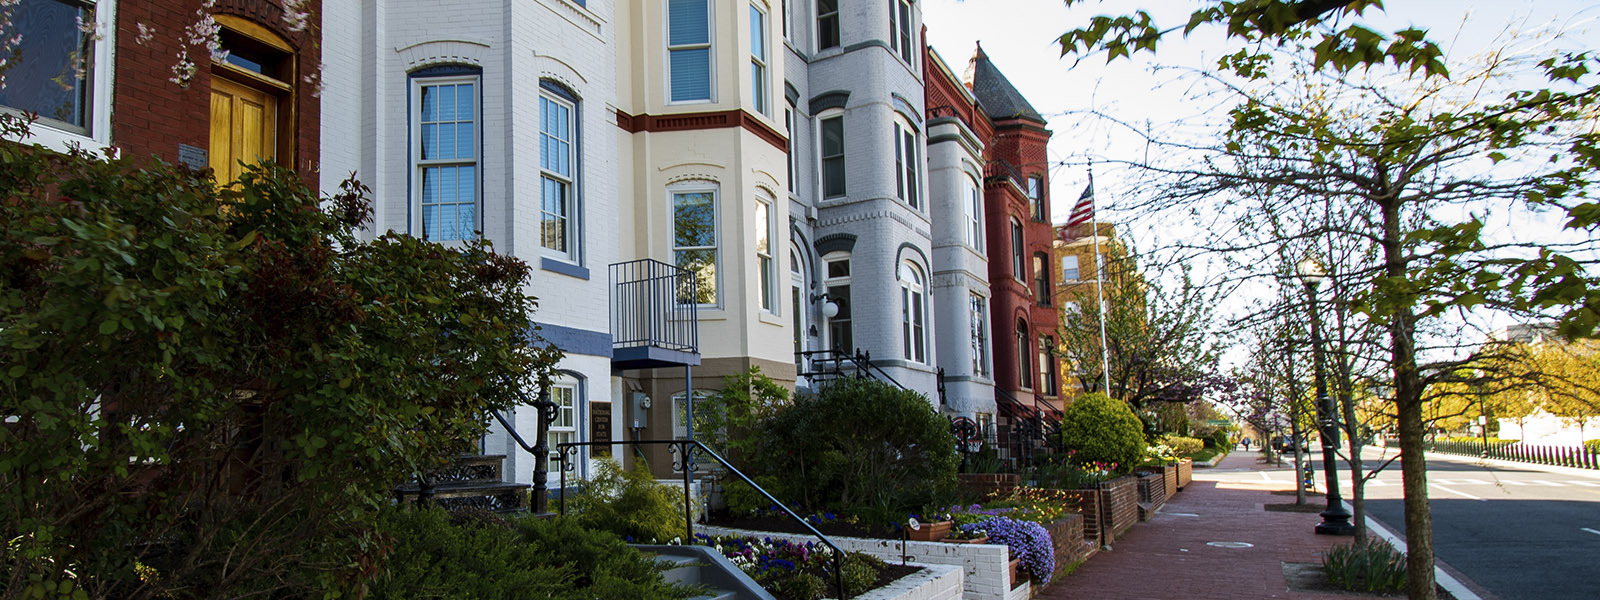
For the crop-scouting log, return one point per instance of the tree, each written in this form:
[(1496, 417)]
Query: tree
[(241, 381), (1407, 168), (1158, 343)]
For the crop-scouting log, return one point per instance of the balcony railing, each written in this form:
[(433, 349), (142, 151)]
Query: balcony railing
[(655, 320)]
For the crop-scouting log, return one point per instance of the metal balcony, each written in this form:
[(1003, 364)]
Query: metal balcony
[(655, 321)]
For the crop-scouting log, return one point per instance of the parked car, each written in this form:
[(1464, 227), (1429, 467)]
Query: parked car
[(1282, 445)]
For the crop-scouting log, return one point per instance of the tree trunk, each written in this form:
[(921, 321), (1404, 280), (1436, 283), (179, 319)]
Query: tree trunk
[(1352, 426), (1408, 409)]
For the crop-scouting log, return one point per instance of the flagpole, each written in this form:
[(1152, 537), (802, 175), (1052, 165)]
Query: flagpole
[(1099, 282)]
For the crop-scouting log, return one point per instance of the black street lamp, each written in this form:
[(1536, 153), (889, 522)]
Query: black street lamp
[(1335, 519)]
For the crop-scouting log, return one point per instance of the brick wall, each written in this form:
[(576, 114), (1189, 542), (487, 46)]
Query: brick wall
[(151, 115), (1120, 501), (1185, 472), (984, 484)]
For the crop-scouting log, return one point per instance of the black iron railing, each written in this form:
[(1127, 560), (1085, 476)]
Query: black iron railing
[(683, 459), (654, 304), (821, 365)]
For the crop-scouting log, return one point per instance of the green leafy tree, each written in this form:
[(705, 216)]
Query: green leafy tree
[(241, 380)]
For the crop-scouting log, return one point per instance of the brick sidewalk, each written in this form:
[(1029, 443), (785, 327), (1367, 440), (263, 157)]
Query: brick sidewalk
[(1167, 557)]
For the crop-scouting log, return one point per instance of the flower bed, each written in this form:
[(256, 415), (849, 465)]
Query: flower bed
[(801, 570), (1028, 541)]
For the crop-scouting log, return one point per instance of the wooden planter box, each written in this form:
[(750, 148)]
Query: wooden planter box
[(929, 532), (1015, 579), (1119, 501)]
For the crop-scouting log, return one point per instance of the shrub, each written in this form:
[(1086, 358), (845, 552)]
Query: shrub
[(1369, 566), (1183, 446), (1217, 439), (1027, 541), (861, 444), (629, 503), (246, 376), (745, 501), (437, 555), (1096, 428), (1593, 446)]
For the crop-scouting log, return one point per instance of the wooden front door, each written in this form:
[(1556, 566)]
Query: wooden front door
[(244, 126)]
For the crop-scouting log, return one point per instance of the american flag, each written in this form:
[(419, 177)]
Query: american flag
[(1083, 211)]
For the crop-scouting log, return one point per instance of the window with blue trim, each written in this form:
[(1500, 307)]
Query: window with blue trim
[(445, 155), (689, 50)]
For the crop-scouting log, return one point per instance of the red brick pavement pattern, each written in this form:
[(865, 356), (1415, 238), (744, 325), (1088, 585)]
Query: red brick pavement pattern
[(1167, 558)]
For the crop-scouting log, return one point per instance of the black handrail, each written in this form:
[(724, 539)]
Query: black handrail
[(861, 360), (683, 448)]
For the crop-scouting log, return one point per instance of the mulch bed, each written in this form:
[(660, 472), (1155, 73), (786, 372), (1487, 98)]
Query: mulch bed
[(1308, 577)]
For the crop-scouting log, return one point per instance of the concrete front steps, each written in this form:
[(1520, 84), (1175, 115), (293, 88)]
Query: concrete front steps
[(700, 565)]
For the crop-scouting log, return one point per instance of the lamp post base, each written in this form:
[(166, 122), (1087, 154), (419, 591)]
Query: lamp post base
[(1335, 521)]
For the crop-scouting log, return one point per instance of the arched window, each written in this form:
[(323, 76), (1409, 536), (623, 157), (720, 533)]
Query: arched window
[(913, 313)]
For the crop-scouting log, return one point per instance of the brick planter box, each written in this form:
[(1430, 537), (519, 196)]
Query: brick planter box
[(1185, 472), (1089, 506), (984, 484), (1152, 493), (1170, 473), (1067, 537), (1119, 501)]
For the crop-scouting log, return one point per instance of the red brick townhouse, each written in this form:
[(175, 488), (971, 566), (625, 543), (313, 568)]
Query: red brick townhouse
[(206, 84)]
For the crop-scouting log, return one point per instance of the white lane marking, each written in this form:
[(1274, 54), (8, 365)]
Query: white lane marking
[(1512, 482), (1549, 483), (1473, 482), (1264, 476), (1585, 483), (1462, 494), (1590, 530)]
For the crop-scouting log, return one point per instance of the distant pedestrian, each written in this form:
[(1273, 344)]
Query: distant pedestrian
[(1246, 442)]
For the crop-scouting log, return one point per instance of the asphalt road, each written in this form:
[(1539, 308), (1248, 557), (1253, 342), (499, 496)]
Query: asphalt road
[(1519, 532)]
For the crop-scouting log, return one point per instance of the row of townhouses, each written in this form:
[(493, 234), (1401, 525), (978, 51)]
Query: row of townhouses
[(701, 186)]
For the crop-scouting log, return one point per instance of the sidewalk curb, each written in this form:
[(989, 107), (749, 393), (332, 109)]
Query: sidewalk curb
[(1445, 580)]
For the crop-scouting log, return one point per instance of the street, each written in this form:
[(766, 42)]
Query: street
[(1521, 532)]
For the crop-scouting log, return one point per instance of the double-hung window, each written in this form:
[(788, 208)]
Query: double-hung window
[(59, 69), (1018, 266), (445, 155), (788, 131), (913, 317), (564, 429), (1036, 198), (900, 29), (758, 61), (764, 263), (974, 209), (1069, 268), (1047, 366), (832, 156), (905, 164), (837, 272), (1041, 279), (980, 337), (689, 50), (1024, 370), (827, 24), (557, 174), (694, 241)]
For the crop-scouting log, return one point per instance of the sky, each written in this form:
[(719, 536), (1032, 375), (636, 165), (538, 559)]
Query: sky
[(1019, 37)]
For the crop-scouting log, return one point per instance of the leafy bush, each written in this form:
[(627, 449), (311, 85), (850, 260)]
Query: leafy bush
[(725, 420), (1369, 566), (1027, 541), (1593, 446), (1217, 439), (245, 376), (437, 555), (1183, 446), (629, 503), (861, 445), (1066, 475), (1096, 428)]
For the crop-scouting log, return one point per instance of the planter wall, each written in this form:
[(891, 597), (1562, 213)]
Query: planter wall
[(984, 484), (1067, 537), (1185, 472), (1119, 501), (985, 575), (934, 582), (1090, 507), (1152, 493), (1170, 472)]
